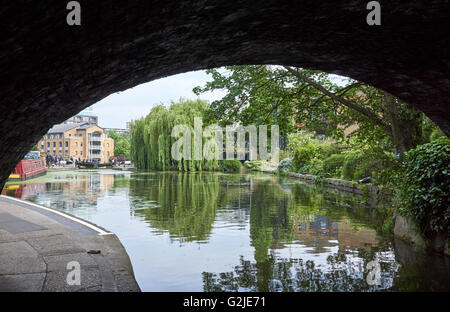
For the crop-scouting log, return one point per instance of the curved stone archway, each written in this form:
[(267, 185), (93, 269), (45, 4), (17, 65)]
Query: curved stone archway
[(49, 71)]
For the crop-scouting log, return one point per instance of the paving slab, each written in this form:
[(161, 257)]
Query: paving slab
[(54, 245), (56, 281), (20, 258), (59, 262), (22, 282), (15, 225)]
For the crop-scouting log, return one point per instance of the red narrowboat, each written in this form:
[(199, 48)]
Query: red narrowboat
[(27, 169)]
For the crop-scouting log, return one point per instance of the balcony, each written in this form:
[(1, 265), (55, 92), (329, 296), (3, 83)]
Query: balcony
[(95, 145)]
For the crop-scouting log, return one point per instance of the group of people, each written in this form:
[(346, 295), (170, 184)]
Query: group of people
[(58, 161)]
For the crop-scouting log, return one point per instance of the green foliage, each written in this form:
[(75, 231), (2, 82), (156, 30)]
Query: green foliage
[(333, 164), (329, 159), (375, 163), (436, 134), (263, 94), (248, 164), (304, 148), (122, 144), (285, 165), (309, 153), (284, 154), (351, 162), (255, 165), (151, 139), (314, 166), (425, 188), (255, 95), (231, 165)]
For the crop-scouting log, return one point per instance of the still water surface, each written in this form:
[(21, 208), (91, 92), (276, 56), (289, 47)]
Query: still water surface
[(240, 232)]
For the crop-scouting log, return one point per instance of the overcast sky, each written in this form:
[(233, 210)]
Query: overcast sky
[(118, 108)]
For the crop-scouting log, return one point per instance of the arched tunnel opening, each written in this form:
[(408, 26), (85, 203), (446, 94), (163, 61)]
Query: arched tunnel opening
[(51, 70)]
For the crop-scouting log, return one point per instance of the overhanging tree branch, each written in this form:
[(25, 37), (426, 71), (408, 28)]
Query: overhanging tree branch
[(377, 120)]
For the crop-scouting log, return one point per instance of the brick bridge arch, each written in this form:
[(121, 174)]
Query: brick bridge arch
[(49, 71)]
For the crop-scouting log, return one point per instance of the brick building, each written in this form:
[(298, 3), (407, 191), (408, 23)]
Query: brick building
[(83, 141)]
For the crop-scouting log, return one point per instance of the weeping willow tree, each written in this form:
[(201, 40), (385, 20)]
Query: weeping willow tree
[(151, 139)]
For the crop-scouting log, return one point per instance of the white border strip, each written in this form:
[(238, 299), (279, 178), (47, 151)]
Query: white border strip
[(86, 224)]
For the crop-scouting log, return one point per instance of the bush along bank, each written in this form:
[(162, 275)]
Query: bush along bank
[(364, 171), (418, 186), (424, 192)]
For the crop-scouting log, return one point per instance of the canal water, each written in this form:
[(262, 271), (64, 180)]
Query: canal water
[(240, 232)]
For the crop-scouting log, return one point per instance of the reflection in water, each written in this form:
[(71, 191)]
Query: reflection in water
[(182, 204), (239, 232)]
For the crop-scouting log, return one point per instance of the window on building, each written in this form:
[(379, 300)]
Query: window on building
[(67, 144), (48, 144), (76, 143), (60, 144), (54, 144), (81, 152), (76, 152)]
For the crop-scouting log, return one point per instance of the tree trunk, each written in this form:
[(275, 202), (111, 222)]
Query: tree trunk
[(406, 124)]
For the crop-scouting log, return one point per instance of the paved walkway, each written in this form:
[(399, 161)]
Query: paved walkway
[(37, 244)]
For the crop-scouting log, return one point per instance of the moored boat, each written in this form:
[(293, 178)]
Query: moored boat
[(27, 169)]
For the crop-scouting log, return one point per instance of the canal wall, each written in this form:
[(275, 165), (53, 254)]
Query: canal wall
[(343, 185)]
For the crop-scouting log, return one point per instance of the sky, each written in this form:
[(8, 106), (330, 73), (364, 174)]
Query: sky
[(118, 108)]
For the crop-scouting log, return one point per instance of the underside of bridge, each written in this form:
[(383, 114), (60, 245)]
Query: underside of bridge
[(49, 70)]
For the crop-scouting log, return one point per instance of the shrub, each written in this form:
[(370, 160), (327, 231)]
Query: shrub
[(305, 148), (316, 166), (284, 154), (351, 161), (424, 187), (231, 165), (323, 157), (375, 163), (330, 149), (285, 165), (333, 164), (304, 154), (255, 165), (436, 134)]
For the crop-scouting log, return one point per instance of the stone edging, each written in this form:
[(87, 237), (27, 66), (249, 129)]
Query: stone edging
[(344, 185)]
